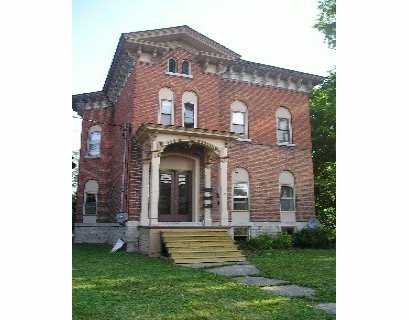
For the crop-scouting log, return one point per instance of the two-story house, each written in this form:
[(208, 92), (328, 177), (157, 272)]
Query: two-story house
[(186, 134)]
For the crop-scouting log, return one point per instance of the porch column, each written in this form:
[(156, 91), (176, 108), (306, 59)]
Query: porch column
[(208, 185), (145, 193), (224, 215), (154, 188)]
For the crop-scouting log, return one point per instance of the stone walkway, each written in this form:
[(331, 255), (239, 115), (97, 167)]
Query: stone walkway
[(247, 275)]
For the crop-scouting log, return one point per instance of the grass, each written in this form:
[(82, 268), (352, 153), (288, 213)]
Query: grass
[(131, 286), (308, 267)]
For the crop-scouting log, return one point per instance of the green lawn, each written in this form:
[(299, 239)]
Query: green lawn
[(131, 286), (307, 267)]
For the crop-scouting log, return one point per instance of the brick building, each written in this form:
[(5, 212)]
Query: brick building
[(185, 133)]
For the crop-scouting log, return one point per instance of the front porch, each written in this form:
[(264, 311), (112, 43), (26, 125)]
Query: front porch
[(184, 182)]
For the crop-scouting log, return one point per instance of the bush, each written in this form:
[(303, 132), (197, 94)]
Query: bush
[(314, 238), (265, 242)]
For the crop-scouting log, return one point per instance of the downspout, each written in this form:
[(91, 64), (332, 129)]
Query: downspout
[(124, 158)]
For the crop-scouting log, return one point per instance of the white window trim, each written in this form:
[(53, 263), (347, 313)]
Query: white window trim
[(167, 66), (189, 67), (294, 197), (194, 114), (160, 111), (90, 130), (189, 76), (290, 128)]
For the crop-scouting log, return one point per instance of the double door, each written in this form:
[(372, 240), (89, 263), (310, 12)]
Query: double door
[(175, 196)]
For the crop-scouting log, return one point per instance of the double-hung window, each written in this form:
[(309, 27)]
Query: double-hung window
[(287, 200), (241, 196), (90, 204), (238, 123), (166, 112), (283, 130), (94, 143), (189, 115)]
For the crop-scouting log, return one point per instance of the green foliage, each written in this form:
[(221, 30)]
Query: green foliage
[(129, 286), (314, 238), (327, 21), (266, 242), (323, 128), (313, 268), (75, 169)]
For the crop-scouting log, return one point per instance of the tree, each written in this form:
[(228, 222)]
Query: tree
[(326, 21), (323, 127)]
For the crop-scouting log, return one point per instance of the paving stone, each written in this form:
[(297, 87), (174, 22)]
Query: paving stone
[(260, 281), (235, 270), (290, 291), (328, 307)]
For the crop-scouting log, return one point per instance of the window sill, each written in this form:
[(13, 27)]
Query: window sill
[(92, 157), (233, 211), (189, 76), (285, 144), (244, 139)]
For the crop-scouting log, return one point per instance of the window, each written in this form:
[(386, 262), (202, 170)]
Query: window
[(90, 197), (188, 119), (239, 123), (94, 141), (287, 194), (288, 230), (90, 204), (240, 181), (172, 66), (284, 130), (189, 109), (240, 234), (166, 107), (166, 112), (186, 67)]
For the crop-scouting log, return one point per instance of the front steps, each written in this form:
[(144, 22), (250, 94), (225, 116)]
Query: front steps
[(201, 246)]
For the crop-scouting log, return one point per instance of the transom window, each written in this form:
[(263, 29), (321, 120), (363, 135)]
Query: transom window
[(94, 141), (172, 65), (166, 112), (189, 115)]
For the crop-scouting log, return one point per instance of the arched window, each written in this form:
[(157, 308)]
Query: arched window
[(90, 197), (185, 67), (241, 190), (284, 128), (94, 141), (239, 119), (287, 191), (172, 65), (189, 110), (166, 102)]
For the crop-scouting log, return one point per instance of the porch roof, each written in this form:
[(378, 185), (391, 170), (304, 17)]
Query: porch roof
[(147, 129)]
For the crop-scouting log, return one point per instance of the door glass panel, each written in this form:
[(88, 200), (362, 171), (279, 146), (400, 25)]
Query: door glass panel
[(165, 192), (183, 191)]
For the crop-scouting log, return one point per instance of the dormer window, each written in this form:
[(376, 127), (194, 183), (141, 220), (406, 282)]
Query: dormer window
[(186, 67), (172, 66)]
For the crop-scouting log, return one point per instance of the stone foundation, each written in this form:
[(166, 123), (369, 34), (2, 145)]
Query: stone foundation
[(98, 233)]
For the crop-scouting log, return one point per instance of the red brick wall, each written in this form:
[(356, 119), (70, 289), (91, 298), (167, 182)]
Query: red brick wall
[(262, 158)]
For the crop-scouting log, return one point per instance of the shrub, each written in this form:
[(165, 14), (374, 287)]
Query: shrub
[(314, 238), (265, 242), (282, 241)]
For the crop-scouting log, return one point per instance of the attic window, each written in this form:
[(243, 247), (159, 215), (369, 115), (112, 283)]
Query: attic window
[(172, 66), (186, 67)]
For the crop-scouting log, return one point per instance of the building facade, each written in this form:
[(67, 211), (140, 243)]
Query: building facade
[(185, 133)]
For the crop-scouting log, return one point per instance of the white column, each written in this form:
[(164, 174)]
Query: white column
[(145, 193), (154, 189), (207, 184), (224, 215)]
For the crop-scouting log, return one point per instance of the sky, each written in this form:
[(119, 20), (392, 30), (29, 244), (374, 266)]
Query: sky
[(278, 33)]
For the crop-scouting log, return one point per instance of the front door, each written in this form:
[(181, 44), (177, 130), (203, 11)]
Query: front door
[(175, 196)]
